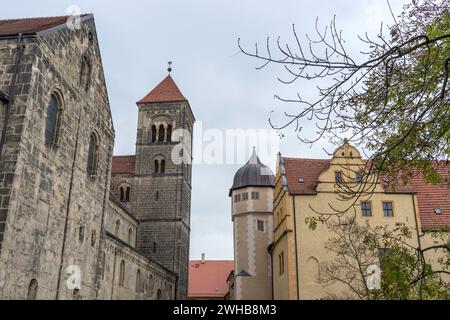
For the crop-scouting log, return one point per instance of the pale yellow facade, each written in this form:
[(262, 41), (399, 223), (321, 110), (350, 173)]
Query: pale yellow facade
[(303, 248)]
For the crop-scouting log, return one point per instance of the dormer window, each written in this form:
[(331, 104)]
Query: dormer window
[(437, 211), (301, 180)]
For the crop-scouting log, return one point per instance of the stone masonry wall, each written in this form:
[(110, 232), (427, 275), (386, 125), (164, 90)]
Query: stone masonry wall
[(55, 210), (155, 281)]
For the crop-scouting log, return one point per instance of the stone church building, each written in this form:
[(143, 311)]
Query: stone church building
[(75, 221)]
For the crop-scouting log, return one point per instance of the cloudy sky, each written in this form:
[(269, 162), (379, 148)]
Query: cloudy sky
[(137, 38)]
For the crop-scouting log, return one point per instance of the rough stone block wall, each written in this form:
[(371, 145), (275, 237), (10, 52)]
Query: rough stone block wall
[(155, 281), (55, 210), (127, 223)]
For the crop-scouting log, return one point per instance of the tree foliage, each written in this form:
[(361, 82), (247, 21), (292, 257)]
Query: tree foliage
[(392, 102), (405, 274)]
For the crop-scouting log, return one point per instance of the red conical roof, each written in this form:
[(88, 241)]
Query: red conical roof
[(165, 91)]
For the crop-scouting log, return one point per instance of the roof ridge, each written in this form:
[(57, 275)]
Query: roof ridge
[(213, 260), (43, 17), (165, 91), (314, 159)]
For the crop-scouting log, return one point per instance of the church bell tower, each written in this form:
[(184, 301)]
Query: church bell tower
[(162, 199)]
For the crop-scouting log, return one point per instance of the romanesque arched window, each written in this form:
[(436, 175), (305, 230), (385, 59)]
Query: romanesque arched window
[(116, 231), (130, 235), (32, 290), (169, 133), (92, 156), (156, 166), (103, 265), (138, 281), (127, 193), (159, 295), (312, 269), (163, 166), (85, 74), (122, 193), (154, 135), (161, 133), (122, 274), (52, 120), (150, 283)]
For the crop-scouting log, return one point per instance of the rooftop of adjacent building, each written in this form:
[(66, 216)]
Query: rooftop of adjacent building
[(123, 164), (208, 278)]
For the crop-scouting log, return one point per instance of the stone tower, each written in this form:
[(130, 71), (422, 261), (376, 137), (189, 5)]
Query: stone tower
[(252, 205), (161, 200)]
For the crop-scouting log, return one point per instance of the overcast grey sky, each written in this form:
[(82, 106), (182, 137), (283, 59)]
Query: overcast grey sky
[(137, 38)]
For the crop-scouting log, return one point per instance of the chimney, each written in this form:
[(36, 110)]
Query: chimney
[(203, 258)]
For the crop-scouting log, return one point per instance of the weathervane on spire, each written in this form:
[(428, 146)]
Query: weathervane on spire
[(170, 66)]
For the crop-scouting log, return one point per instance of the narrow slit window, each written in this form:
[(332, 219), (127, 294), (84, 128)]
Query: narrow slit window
[(260, 225), (92, 156)]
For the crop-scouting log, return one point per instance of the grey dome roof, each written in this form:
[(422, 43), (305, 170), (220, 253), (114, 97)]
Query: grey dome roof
[(253, 174)]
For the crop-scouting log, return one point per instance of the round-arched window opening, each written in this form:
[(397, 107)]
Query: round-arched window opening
[(91, 37)]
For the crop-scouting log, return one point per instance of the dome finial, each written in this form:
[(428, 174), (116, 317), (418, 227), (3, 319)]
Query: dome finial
[(170, 66), (254, 157)]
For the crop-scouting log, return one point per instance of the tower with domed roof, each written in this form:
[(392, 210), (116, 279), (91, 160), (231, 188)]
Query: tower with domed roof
[(252, 207)]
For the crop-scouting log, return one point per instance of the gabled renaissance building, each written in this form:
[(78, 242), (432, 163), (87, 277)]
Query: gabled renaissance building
[(277, 254)]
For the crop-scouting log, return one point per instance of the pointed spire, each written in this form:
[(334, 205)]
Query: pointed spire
[(165, 91), (254, 158)]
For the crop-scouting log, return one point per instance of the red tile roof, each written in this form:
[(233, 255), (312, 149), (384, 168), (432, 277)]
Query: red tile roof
[(165, 91), (429, 196), (30, 25), (123, 164), (209, 279), (307, 169)]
